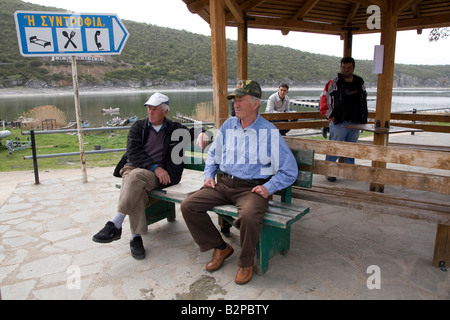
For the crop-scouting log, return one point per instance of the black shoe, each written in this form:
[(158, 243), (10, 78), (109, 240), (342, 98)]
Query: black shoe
[(109, 233), (331, 179), (137, 248)]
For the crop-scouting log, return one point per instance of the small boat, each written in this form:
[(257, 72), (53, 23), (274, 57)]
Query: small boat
[(110, 110), (14, 145), (73, 125), (128, 121), (133, 119), (4, 134), (114, 122)]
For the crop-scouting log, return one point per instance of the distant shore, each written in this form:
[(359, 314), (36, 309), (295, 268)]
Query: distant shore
[(21, 91)]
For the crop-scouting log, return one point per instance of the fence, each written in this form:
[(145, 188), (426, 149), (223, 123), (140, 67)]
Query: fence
[(35, 156), (314, 119)]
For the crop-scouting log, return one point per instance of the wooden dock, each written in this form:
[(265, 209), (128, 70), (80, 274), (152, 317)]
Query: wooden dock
[(310, 103)]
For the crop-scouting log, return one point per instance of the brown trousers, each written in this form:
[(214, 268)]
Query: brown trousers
[(133, 199), (251, 208)]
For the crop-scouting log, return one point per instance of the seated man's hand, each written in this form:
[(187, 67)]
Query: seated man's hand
[(262, 191), (202, 140), (162, 175), (209, 183)]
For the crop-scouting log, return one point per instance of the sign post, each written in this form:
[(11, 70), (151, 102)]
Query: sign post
[(70, 34), (78, 117)]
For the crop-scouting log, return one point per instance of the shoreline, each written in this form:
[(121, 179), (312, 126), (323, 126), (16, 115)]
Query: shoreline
[(6, 93)]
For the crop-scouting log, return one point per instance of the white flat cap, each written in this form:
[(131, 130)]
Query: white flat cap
[(156, 99)]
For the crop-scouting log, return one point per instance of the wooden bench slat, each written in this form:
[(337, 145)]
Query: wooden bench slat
[(162, 195), (274, 216), (269, 219), (280, 215)]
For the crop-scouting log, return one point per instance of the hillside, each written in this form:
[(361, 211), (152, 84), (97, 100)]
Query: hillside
[(155, 56)]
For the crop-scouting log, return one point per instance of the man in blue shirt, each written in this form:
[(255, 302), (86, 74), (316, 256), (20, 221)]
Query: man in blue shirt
[(255, 162)]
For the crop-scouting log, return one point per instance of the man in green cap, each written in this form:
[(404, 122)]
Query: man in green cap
[(255, 162)]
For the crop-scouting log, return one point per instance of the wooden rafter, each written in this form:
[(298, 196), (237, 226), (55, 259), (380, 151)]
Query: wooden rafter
[(305, 9), (234, 8), (352, 13), (249, 5), (405, 5)]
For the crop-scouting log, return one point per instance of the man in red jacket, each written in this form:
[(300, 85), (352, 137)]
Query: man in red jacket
[(344, 101)]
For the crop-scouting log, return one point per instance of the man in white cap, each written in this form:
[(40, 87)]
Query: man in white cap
[(145, 166)]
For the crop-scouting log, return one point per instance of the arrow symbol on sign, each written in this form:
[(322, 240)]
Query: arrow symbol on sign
[(119, 34)]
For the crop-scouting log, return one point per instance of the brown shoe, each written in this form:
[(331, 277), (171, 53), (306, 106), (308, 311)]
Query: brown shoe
[(244, 275), (218, 257)]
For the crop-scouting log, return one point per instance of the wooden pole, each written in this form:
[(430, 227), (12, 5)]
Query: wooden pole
[(389, 20), (242, 68), (347, 36), (219, 61), (78, 117)]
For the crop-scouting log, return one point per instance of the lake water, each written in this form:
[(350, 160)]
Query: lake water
[(185, 101)]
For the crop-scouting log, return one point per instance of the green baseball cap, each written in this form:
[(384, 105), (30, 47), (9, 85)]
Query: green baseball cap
[(245, 87)]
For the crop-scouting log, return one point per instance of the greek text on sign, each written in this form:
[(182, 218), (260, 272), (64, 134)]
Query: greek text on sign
[(62, 33)]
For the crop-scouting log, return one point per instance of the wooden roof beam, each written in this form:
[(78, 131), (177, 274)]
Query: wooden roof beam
[(307, 7), (196, 6), (425, 22), (383, 4), (249, 5), (402, 5), (302, 26), (352, 13), (416, 14), (234, 8), (199, 7)]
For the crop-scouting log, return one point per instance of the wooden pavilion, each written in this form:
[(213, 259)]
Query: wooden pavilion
[(335, 17), (344, 18)]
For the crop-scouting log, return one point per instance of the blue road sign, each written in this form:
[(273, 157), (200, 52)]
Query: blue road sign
[(69, 34)]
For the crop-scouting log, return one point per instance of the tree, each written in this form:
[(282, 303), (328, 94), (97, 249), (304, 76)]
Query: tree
[(438, 33)]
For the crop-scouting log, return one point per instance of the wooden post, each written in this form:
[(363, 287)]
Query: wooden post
[(219, 61), (441, 256), (78, 117), (389, 21), (347, 37), (242, 68)]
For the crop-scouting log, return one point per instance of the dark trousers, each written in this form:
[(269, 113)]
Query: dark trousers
[(251, 209)]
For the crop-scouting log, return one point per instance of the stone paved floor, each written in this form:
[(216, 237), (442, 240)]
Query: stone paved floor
[(46, 252)]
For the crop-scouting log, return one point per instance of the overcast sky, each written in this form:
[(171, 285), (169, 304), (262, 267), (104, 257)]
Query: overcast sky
[(411, 48)]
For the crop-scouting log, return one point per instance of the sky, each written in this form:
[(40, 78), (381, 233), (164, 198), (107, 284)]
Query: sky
[(411, 48)]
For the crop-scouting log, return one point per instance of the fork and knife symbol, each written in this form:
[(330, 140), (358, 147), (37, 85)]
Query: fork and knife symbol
[(72, 34)]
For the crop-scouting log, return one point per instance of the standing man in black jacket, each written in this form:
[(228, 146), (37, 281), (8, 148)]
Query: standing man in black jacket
[(148, 163), (344, 101)]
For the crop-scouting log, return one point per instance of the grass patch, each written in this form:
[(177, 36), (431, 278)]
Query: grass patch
[(63, 143), (361, 135)]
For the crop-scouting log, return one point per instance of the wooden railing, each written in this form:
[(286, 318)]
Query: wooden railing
[(314, 119), (399, 155)]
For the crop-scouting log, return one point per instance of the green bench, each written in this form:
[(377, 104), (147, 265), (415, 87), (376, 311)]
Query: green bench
[(275, 233)]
